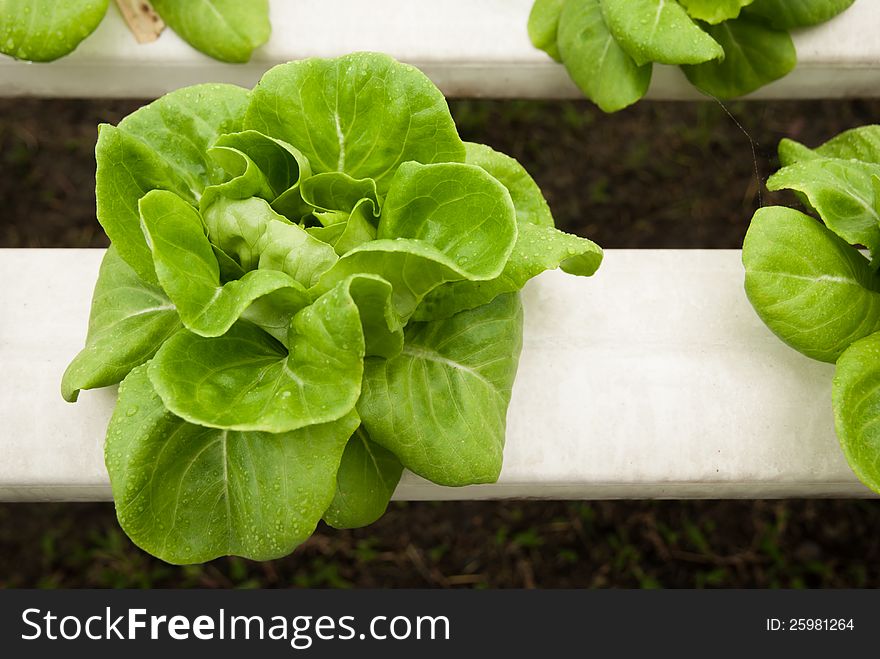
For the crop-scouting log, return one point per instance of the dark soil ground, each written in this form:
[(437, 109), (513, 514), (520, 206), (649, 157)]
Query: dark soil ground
[(657, 175)]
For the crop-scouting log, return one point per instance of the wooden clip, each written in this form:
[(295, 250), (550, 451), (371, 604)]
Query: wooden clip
[(143, 21)]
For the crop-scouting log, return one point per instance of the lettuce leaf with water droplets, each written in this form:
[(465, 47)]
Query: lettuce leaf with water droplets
[(727, 48), (44, 30), (188, 494), (270, 250), (810, 282)]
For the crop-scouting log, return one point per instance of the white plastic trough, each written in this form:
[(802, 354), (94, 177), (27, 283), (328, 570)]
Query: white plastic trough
[(653, 379), (475, 48)]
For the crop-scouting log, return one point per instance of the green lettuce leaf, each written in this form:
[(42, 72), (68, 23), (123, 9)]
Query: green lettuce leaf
[(248, 380), (412, 267), (227, 30), (363, 114), (189, 273), (259, 166), (353, 231), (813, 290), (188, 494), (441, 405), (543, 25), (841, 191), (181, 126), (539, 246), (129, 321), (862, 143), (282, 165), (239, 227), (714, 11), (755, 55), (659, 31), (599, 66), (44, 30), (528, 202), (295, 252), (788, 14), (255, 236), (162, 146), (537, 249), (127, 170), (337, 191), (856, 396), (367, 477), (456, 208), (440, 223)]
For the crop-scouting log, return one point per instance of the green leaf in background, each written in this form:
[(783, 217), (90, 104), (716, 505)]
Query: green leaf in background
[(543, 25), (44, 30), (788, 14), (188, 494), (658, 31), (188, 271), (597, 64), (714, 11), (441, 405), (129, 321), (755, 55), (161, 146), (862, 143), (814, 291), (728, 48), (367, 477), (856, 397), (362, 114), (456, 208), (227, 30), (842, 193)]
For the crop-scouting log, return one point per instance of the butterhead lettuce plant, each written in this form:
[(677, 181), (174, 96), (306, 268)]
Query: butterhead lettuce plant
[(726, 48), (311, 285), (44, 30), (812, 284)]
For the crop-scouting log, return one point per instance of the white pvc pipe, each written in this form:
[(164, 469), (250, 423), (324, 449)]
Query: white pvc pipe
[(652, 379), (470, 48)]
